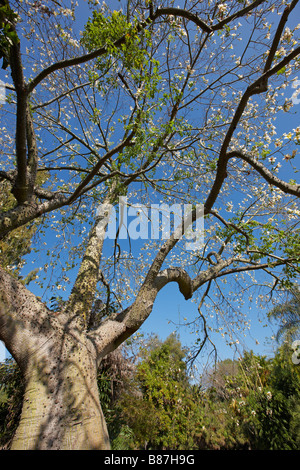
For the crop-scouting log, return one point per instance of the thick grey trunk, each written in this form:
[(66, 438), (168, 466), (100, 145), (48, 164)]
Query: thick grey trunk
[(61, 409)]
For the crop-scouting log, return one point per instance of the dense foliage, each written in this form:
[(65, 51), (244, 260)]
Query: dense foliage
[(160, 406)]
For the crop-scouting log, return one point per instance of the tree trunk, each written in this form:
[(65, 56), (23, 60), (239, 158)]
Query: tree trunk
[(61, 409), (58, 360)]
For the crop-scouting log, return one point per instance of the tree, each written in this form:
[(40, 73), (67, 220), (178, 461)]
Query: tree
[(150, 102)]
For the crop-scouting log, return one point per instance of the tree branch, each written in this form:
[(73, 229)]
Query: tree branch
[(62, 95), (82, 296), (119, 42), (83, 58), (258, 86), (178, 275), (238, 14), (183, 14), (24, 213), (32, 159), (114, 330), (278, 34), (250, 267), (21, 183)]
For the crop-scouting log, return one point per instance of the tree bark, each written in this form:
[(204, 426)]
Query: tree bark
[(61, 407)]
